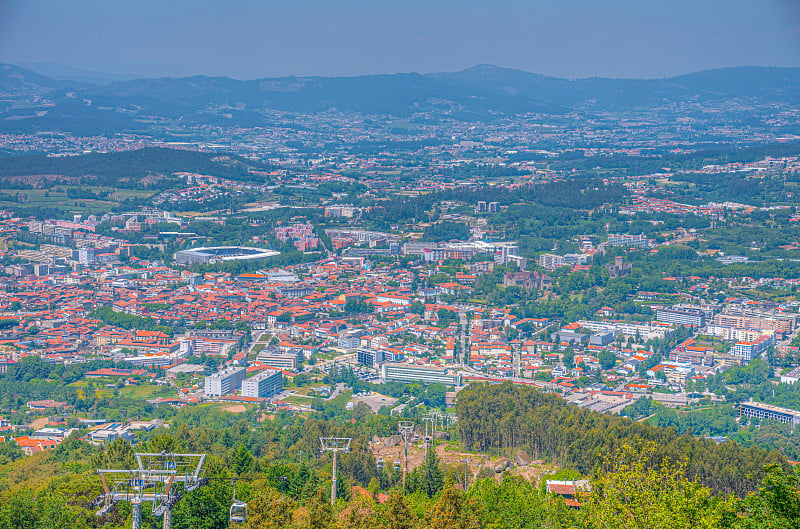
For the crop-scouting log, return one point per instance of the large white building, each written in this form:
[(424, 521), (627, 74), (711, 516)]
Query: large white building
[(416, 373), (739, 335), (264, 385), (224, 382), (749, 350), (644, 332)]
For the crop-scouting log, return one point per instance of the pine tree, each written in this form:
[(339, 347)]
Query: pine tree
[(432, 479)]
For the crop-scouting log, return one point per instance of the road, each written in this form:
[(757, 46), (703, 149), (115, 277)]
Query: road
[(339, 388)]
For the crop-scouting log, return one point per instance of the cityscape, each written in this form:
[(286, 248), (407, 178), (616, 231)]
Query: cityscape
[(497, 298)]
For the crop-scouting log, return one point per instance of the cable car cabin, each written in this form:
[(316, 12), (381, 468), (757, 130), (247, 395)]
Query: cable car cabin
[(379, 464), (398, 465), (238, 512)]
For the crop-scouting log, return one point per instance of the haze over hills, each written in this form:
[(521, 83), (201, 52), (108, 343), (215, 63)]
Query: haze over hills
[(478, 92)]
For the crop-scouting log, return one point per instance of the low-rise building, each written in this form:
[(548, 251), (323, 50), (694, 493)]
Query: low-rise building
[(417, 373), (761, 410)]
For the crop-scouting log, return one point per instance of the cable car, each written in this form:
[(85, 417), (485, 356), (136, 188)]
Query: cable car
[(380, 463), (238, 512), (398, 465)]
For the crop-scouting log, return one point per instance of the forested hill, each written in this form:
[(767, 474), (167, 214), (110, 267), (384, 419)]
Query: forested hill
[(504, 418), (131, 168), (767, 83), (481, 92)]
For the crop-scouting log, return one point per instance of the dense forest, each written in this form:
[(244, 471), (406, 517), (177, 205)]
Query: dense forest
[(504, 418), (129, 168)]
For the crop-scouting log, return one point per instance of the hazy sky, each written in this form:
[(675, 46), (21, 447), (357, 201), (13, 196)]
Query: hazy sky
[(259, 38)]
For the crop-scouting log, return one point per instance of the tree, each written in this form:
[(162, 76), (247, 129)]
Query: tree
[(204, 508), (396, 514), (431, 480), (435, 395), (568, 358), (607, 359), (242, 459), (636, 491), (452, 510), (9, 452), (359, 514), (777, 504), (267, 510)]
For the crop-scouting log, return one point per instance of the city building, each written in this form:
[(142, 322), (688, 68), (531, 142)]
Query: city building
[(695, 318), (761, 410), (416, 373), (221, 253), (619, 268), (288, 360), (350, 339), (749, 350), (370, 357), (264, 385), (631, 241), (224, 382)]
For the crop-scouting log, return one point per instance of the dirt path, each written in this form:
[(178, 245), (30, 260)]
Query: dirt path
[(453, 458)]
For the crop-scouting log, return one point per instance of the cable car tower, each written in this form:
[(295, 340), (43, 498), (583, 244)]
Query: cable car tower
[(406, 429), (161, 479), (335, 445)]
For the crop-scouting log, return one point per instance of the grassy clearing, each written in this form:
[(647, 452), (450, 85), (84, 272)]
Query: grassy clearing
[(145, 391)]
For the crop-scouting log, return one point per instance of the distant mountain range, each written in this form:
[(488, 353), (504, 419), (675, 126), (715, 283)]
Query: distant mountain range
[(481, 91)]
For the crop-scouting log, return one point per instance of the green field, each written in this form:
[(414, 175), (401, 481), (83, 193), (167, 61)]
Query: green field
[(146, 391)]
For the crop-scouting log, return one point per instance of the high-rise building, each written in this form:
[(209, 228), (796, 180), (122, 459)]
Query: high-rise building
[(224, 382), (681, 316), (263, 385)]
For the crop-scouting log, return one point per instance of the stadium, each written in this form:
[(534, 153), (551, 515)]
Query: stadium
[(215, 254)]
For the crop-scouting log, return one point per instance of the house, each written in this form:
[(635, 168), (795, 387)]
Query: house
[(45, 404), (569, 490)]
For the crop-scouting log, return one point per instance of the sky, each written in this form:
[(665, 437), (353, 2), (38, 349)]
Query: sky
[(266, 38)]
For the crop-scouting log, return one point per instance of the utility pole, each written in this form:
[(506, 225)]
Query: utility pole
[(406, 429), (466, 461), (335, 445)]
